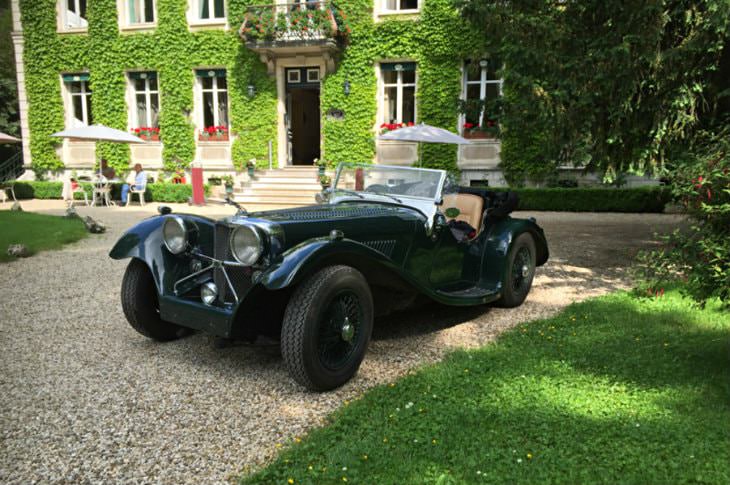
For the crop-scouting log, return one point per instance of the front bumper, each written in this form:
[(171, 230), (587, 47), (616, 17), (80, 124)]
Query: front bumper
[(213, 320)]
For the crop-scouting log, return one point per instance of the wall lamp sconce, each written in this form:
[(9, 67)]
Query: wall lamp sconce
[(346, 88), (251, 91)]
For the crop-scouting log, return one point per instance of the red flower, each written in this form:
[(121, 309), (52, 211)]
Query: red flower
[(410, 123), (709, 194), (468, 126), (384, 125)]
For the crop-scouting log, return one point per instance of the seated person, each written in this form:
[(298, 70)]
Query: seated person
[(140, 182), (106, 170)]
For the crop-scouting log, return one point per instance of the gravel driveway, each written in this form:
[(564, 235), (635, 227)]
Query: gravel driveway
[(85, 399)]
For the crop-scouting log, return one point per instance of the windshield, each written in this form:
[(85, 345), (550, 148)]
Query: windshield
[(391, 181)]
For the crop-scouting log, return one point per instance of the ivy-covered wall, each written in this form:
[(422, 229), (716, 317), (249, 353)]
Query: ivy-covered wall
[(437, 39)]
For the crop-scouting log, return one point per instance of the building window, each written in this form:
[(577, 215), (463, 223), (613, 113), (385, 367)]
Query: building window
[(209, 9), (146, 100), (78, 100), (73, 14), (212, 100), (482, 88), (400, 5), (398, 92), (139, 11)]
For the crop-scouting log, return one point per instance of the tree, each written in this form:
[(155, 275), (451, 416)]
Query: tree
[(612, 84)]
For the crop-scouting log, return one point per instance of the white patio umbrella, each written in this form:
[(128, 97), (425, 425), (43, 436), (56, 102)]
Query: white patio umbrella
[(423, 133), (5, 138), (98, 133)]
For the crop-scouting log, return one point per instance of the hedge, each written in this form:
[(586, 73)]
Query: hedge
[(159, 192), (640, 199)]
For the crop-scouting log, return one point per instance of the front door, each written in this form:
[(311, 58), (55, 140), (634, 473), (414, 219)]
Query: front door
[(303, 116)]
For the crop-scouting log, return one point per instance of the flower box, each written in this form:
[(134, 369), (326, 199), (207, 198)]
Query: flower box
[(478, 135), (219, 137), (147, 133)]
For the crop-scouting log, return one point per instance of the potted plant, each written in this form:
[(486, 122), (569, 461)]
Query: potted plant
[(321, 166), (251, 167), (179, 176), (228, 183), (325, 181)]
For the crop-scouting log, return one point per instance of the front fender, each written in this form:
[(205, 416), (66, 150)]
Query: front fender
[(144, 241), (140, 240), (312, 254)]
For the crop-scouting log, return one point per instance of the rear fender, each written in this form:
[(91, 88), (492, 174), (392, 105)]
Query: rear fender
[(499, 240)]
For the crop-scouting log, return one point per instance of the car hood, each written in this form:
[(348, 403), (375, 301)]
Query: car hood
[(364, 222)]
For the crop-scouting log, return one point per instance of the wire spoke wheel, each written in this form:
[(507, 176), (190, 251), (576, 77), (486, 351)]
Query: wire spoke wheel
[(521, 268), (339, 330)]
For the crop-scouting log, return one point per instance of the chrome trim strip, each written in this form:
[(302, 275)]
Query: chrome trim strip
[(191, 276), (215, 263)]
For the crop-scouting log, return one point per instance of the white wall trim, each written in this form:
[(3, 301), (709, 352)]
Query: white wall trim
[(23, 105)]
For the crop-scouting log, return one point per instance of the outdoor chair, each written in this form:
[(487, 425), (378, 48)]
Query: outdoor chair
[(5, 186), (78, 189), (102, 191), (140, 194)]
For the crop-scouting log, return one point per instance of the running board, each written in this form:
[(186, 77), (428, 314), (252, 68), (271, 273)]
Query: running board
[(473, 295)]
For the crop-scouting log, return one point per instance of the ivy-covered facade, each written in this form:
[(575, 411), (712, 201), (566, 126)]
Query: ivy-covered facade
[(221, 82)]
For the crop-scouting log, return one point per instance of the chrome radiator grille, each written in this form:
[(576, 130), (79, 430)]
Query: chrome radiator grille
[(221, 253), (240, 277)]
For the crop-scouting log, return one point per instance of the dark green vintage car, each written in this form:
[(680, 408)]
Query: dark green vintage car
[(381, 240)]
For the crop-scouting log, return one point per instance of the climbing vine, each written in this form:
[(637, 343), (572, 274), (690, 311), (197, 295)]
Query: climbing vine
[(436, 39)]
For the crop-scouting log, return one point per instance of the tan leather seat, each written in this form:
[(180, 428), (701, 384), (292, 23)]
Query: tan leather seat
[(470, 208)]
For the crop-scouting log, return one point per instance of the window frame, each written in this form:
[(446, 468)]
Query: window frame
[(399, 85), (382, 9), (200, 103), (125, 12), (134, 121), (62, 11), (85, 93), (483, 82), (194, 19)]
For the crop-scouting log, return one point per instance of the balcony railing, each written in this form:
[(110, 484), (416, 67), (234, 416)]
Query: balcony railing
[(294, 22)]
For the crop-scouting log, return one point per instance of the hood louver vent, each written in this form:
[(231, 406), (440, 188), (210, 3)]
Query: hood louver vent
[(385, 247), (309, 214)]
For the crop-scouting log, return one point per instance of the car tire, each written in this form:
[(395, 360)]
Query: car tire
[(519, 271), (141, 307), (327, 326)]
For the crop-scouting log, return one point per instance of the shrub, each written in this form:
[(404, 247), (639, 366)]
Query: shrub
[(159, 192), (699, 255), (642, 199)]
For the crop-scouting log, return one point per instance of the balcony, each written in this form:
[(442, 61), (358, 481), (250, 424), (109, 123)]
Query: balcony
[(315, 28)]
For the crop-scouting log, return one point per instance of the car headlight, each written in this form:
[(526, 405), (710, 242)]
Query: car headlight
[(246, 245), (175, 235)]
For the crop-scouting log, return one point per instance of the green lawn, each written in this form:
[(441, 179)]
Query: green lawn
[(614, 390), (37, 231)]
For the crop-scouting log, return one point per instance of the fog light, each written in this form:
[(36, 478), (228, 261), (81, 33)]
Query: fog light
[(208, 293)]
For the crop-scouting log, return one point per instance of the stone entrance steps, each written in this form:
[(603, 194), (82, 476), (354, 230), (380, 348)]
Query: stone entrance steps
[(290, 186)]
